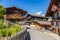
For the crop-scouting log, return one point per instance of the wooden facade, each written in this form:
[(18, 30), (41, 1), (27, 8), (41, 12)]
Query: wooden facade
[(42, 24), (54, 12), (15, 14), (53, 6), (36, 17)]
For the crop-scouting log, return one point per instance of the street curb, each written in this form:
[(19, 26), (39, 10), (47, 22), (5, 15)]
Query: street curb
[(53, 35)]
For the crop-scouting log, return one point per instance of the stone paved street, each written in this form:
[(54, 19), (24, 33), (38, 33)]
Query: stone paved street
[(36, 35)]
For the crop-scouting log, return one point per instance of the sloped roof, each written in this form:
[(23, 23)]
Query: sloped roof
[(43, 22), (35, 15), (15, 8), (49, 12)]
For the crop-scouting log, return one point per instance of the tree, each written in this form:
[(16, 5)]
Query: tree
[(2, 11)]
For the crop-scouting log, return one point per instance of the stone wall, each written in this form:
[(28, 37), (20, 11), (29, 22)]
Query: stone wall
[(19, 36)]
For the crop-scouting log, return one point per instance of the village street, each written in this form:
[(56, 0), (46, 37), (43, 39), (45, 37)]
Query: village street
[(29, 20), (34, 34)]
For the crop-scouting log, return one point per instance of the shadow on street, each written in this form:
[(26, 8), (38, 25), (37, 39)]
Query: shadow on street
[(28, 36)]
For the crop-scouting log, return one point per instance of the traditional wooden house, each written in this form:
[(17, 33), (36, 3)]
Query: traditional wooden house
[(42, 24), (54, 12), (31, 17), (15, 14)]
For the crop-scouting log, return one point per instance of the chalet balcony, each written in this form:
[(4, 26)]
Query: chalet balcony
[(17, 17)]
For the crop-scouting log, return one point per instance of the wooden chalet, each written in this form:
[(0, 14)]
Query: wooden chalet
[(36, 17), (14, 14), (54, 12)]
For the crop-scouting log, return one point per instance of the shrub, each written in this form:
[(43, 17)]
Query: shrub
[(12, 31), (4, 32), (0, 32), (2, 26), (8, 31)]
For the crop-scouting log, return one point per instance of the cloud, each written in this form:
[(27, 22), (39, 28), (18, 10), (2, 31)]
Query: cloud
[(42, 14), (39, 13)]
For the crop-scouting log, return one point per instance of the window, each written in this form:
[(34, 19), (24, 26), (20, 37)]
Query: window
[(54, 23), (58, 24), (59, 14), (55, 15), (59, 10), (59, 3)]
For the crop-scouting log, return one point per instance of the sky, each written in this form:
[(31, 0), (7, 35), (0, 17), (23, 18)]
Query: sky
[(31, 6)]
